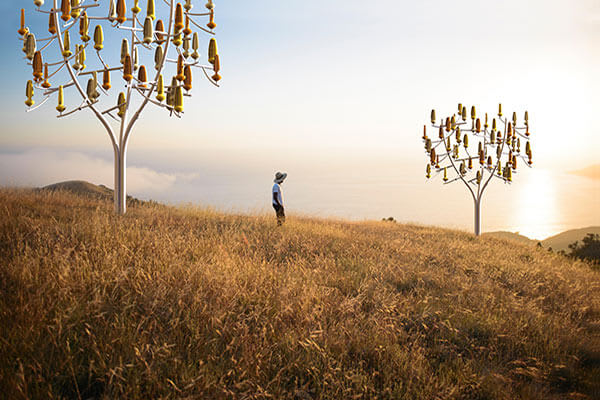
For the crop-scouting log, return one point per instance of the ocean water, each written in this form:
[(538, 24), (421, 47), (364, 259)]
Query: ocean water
[(539, 203)]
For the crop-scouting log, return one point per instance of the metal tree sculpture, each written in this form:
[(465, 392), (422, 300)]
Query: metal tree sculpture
[(149, 35), (499, 143)]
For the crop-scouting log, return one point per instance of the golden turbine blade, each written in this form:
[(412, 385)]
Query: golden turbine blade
[(121, 10), (29, 93), (61, 100), (187, 82), (66, 10), (160, 91), (150, 11), (98, 38), (106, 80), (148, 31)]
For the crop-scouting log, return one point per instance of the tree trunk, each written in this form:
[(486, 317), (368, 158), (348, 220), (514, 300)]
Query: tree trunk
[(477, 204), (123, 180), (120, 194), (116, 185)]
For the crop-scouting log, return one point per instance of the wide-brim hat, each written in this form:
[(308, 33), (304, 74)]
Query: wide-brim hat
[(279, 177)]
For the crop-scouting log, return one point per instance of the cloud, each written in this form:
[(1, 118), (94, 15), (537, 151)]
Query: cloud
[(40, 167)]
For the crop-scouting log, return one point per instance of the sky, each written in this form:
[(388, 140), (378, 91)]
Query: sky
[(336, 93)]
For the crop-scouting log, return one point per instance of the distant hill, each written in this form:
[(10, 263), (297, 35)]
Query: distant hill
[(591, 172), (557, 242), (87, 189), (563, 240), (515, 237), (81, 188)]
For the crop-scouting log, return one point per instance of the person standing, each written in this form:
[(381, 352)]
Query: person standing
[(278, 198)]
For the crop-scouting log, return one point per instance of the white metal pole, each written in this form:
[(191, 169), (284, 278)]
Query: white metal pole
[(116, 193), (477, 204), (123, 179)]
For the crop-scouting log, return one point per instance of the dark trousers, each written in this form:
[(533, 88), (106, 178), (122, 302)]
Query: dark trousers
[(280, 214)]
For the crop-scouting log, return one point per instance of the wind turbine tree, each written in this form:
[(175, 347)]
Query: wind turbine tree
[(163, 42), (500, 148)]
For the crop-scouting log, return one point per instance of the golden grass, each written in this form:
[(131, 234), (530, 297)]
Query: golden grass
[(187, 303)]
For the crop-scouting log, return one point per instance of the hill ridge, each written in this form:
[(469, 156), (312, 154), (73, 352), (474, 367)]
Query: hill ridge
[(86, 189), (562, 240)]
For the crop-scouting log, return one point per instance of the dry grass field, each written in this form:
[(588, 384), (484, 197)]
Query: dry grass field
[(188, 303)]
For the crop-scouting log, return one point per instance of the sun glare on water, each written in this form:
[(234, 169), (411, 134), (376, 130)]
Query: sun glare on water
[(538, 213)]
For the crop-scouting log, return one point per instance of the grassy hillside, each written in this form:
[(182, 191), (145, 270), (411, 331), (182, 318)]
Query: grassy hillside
[(188, 303)]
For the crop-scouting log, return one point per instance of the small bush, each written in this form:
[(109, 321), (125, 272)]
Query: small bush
[(588, 250)]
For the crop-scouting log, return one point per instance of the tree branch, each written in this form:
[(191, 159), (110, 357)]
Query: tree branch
[(499, 158), (454, 166), (76, 82), (158, 72)]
